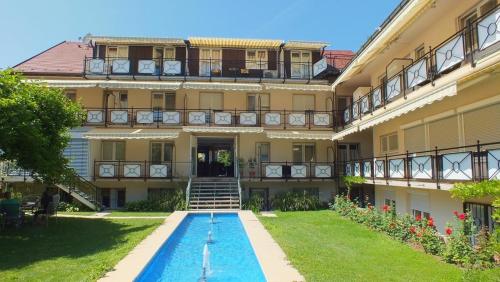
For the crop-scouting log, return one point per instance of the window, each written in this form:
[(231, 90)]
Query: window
[(421, 214), (301, 64), (116, 99), (419, 52), (389, 143), (71, 95), (256, 59), (482, 215), (263, 152), (303, 153), (210, 62), (117, 52), (348, 152), (162, 152), (113, 150), (163, 101), (258, 101)]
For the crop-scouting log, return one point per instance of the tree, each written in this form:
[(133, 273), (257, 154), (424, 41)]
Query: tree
[(486, 188), (350, 180), (34, 126)]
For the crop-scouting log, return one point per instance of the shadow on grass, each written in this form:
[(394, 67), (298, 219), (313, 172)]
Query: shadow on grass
[(68, 238)]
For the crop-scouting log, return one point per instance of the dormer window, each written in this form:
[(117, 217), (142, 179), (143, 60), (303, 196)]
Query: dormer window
[(256, 59)]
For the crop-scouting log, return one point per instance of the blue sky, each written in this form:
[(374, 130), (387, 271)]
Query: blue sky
[(31, 26)]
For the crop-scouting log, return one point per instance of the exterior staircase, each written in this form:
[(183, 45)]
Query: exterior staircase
[(214, 193)]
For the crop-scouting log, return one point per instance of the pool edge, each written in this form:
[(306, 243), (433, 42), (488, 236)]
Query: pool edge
[(136, 260), (271, 257)]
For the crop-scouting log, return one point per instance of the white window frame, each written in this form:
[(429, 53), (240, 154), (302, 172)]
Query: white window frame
[(387, 138), (256, 63), (303, 148), (113, 153), (304, 66)]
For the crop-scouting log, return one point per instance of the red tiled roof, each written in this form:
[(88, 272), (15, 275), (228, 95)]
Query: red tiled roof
[(339, 58), (65, 58)]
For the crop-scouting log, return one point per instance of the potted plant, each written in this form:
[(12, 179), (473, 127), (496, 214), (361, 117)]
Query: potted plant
[(225, 159)]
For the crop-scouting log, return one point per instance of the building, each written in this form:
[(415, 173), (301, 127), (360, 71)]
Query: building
[(414, 112), (163, 113), (426, 87)]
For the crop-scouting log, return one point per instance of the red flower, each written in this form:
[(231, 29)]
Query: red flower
[(448, 231), (418, 218), (462, 216), (412, 229), (430, 222), (455, 213), (386, 208)]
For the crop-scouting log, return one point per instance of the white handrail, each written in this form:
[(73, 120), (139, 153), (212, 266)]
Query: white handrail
[(239, 189), (188, 191)]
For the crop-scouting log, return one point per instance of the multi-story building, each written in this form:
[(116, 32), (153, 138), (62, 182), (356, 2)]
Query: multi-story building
[(221, 116), (415, 111), (426, 87)]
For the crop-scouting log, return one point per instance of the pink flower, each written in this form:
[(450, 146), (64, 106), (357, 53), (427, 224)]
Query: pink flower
[(386, 208), (462, 216)]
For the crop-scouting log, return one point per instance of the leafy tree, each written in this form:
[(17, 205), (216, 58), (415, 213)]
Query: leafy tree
[(350, 180), (34, 125), (487, 188)]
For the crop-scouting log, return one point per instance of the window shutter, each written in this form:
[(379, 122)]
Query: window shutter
[(415, 139), (482, 124), (443, 133)]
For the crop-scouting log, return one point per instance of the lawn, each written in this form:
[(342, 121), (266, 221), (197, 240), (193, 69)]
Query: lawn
[(326, 247), (71, 249), (86, 213)]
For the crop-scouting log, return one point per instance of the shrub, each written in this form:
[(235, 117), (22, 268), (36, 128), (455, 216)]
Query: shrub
[(293, 201), (168, 202), (254, 203), (67, 207)]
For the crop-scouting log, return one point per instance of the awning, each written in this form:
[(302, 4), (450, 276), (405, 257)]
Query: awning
[(309, 45), (65, 83), (135, 40), (140, 85), (222, 86), (235, 42), (152, 134), (414, 101), (221, 129), (299, 135), (297, 87)]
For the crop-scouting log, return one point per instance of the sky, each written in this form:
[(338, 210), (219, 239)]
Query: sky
[(32, 26)]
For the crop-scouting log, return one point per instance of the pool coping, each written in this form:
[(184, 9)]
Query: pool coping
[(271, 257)]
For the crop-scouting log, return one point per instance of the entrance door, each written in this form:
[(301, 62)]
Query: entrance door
[(215, 157), (210, 62), (301, 64)]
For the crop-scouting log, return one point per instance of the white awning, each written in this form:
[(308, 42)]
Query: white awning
[(152, 134), (163, 85), (222, 86), (297, 87), (65, 83), (299, 135), (221, 129), (400, 107)]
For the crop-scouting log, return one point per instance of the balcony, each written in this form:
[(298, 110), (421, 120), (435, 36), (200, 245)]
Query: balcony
[(208, 69), (151, 118), (466, 46), (146, 170), (438, 168)]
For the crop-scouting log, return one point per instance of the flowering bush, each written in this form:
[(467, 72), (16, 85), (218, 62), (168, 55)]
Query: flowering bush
[(422, 232)]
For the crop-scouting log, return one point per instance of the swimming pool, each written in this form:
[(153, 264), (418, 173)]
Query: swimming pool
[(180, 258)]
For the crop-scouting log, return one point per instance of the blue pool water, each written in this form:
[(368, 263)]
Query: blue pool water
[(181, 257)]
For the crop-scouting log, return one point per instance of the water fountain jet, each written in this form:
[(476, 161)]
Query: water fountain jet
[(206, 264)]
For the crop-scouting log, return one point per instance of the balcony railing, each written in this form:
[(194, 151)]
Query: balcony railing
[(458, 164), (477, 39), (175, 170), (209, 68), (147, 117)]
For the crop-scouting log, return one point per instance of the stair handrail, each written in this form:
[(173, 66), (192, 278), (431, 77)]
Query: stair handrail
[(86, 187), (239, 189), (188, 192)]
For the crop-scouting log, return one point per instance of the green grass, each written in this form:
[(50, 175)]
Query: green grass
[(326, 247), (131, 213), (71, 249)]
